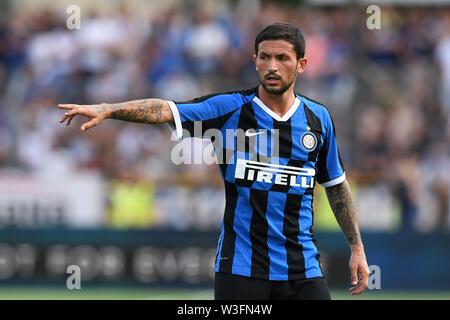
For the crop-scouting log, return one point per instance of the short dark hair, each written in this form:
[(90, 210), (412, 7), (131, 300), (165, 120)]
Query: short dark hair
[(283, 31)]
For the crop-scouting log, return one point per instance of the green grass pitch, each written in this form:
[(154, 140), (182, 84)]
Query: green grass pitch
[(160, 293)]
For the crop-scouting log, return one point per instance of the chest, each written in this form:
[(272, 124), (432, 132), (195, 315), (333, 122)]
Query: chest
[(254, 132)]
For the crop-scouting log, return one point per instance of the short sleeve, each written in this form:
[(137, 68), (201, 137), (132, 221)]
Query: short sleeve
[(330, 169), (195, 117)]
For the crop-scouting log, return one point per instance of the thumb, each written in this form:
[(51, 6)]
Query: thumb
[(354, 275)]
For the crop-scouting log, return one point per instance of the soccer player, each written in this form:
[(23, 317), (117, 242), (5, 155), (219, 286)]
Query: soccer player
[(267, 248)]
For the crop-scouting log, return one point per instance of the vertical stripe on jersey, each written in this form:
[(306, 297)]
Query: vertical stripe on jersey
[(284, 141), (223, 159), (242, 261), (226, 147), (322, 175), (228, 244), (309, 249), (246, 144), (316, 128), (291, 230), (264, 140), (258, 234), (275, 239), (315, 244), (247, 121)]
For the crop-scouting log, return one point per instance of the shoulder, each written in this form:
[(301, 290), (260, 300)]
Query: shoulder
[(228, 96), (319, 109)]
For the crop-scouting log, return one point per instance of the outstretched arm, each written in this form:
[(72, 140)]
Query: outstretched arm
[(340, 199), (144, 111)]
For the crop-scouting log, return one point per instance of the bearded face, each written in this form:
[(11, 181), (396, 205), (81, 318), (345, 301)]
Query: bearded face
[(277, 65)]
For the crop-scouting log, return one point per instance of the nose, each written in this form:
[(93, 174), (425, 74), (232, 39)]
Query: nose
[(272, 67)]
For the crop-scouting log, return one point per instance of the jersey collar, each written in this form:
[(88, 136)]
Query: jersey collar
[(286, 116)]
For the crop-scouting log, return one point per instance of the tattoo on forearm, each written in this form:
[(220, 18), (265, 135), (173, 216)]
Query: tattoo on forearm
[(145, 111), (341, 203)]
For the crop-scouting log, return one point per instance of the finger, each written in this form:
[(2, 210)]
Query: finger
[(67, 106), (354, 288), (364, 276), (65, 116), (70, 120), (81, 111), (70, 113), (363, 281), (357, 290), (354, 275), (361, 286), (89, 124)]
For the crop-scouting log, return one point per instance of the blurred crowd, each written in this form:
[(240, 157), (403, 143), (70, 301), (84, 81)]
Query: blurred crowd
[(387, 89)]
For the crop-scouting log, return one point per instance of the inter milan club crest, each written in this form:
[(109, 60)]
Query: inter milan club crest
[(309, 141)]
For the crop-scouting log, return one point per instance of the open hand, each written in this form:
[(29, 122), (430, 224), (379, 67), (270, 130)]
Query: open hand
[(95, 114)]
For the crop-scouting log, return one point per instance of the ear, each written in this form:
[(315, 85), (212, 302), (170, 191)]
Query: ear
[(301, 65), (254, 61)]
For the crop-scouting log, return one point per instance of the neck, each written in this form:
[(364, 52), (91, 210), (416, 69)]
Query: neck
[(279, 104)]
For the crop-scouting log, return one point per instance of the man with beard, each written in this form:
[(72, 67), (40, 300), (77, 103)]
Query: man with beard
[(282, 143)]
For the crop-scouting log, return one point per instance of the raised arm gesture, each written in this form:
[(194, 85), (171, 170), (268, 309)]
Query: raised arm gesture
[(144, 111)]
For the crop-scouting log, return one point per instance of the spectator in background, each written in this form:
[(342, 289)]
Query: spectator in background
[(132, 201), (384, 79), (442, 56)]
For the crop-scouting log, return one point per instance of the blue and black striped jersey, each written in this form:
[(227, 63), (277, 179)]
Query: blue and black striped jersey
[(269, 165)]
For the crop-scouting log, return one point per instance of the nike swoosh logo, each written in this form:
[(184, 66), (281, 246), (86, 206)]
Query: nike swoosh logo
[(251, 134)]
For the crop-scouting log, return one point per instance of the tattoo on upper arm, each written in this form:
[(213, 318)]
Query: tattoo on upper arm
[(341, 203)]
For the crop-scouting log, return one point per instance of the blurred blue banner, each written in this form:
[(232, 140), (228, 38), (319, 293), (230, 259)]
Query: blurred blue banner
[(406, 261)]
